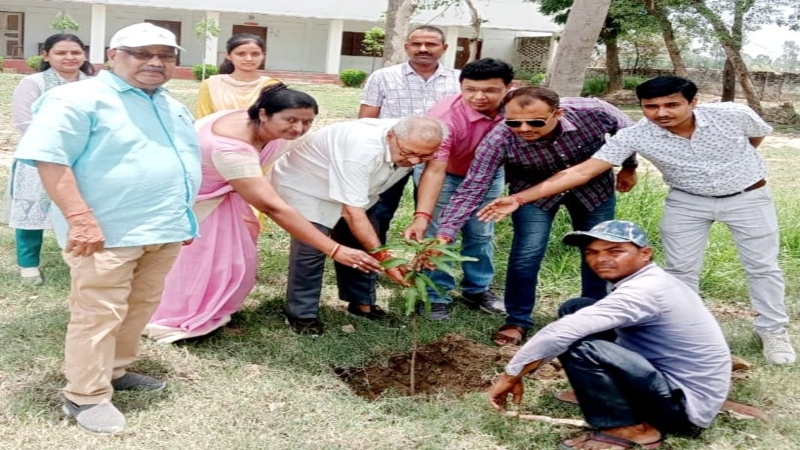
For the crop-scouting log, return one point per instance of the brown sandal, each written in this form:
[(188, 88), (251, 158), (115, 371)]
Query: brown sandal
[(502, 339)]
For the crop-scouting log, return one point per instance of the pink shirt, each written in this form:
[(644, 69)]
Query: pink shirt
[(467, 129)]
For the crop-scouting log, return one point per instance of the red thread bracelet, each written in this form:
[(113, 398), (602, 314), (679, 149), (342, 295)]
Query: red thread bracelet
[(423, 214)]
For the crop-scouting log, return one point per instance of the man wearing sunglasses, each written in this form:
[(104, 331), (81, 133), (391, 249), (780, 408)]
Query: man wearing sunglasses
[(103, 147), (470, 116), (541, 135), (707, 156)]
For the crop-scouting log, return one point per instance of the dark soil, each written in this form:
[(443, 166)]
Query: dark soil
[(454, 364)]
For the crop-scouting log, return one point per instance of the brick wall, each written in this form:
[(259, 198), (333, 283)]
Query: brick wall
[(771, 86)]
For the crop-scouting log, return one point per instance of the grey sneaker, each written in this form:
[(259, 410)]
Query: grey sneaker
[(777, 347), (137, 382), (31, 275), (99, 418), (486, 301), (438, 312)]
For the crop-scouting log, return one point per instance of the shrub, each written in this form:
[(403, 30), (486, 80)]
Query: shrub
[(632, 81), (2, 61), (198, 71), (537, 79), (353, 77), (34, 62), (594, 86)]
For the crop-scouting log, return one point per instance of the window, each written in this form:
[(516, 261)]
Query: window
[(351, 44)]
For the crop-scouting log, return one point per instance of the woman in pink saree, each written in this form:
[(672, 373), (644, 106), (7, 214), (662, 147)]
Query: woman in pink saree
[(213, 275)]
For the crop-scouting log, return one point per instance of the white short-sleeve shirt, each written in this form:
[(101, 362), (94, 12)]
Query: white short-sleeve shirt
[(347, 163), (717, 160)]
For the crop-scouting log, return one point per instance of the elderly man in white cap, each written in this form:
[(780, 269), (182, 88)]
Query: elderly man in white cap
[(120, 160)]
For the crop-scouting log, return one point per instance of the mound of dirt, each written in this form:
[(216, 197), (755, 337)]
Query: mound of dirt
[(454, 364)]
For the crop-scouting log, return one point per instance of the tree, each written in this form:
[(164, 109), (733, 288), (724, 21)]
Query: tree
[(660, 14), (582, 28), (398, 20), (475, 37), (205, 30), (624, 16), (731, 44), (63, 22), (790, 59), (372, 44)]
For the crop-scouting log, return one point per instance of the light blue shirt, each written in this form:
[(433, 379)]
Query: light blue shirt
[(136, 158), (660, 318)]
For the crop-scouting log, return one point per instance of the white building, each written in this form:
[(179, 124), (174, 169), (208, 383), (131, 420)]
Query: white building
[(301, 35)]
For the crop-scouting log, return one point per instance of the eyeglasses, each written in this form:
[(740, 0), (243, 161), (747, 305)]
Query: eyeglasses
[(406, 154), (147, 56), (535, 123)]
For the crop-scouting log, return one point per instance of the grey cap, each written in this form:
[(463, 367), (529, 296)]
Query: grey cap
[(611, 231)]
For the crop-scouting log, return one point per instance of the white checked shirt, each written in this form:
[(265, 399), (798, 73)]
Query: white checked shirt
[(401, 92), (717, 160)]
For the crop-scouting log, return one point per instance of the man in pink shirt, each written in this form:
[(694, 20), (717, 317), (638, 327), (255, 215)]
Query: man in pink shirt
[(470, 116)]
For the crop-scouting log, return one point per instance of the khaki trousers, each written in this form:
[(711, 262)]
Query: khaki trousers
[(113, 294)]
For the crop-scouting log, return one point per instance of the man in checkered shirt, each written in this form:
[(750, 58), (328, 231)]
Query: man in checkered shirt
[(707, 156), (542, 134)]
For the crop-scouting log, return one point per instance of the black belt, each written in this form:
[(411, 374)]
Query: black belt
[(758, 184)]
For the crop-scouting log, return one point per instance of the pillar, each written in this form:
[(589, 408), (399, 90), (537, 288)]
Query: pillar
[(452, 47), (97, 37), (334, 54), (211, 42)]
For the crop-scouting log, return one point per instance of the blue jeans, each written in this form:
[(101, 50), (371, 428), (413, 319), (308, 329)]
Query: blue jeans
[(532, 227), (477, 241)]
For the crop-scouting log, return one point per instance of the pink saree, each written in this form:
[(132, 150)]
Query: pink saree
[(212, 276)]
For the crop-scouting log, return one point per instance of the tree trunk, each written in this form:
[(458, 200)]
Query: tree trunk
[(678, 66), (578, 39), (608, 36), (729, 46), (476, 22), (613, 68), (728, 82), (398, 19), (737, 31)]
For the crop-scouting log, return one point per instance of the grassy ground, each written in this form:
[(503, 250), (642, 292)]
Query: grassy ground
[(254, 385)]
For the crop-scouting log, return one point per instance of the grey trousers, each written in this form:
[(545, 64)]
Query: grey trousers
[(753, 222), (307, 267)]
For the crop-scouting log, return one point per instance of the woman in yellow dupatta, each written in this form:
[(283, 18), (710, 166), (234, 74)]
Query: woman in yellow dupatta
[(239, 83)]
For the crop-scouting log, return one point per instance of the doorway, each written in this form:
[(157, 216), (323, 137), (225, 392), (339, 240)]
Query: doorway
[(250, 29), (462, 52), (173, 26), (11, 45)]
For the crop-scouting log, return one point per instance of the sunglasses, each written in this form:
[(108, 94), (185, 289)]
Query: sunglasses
[(535, 123), (147, 56)]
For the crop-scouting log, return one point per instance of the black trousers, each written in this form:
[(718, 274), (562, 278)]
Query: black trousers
[(617, 387)]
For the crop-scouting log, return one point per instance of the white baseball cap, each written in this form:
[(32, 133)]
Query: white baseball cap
[(142, 35)]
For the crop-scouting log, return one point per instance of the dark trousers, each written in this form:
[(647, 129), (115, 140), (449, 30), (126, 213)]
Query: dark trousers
[(306, 269), (617, 387), (388, 202)]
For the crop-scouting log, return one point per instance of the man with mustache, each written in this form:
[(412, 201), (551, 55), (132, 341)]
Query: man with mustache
[(121, 161), (333, 177), (403, 90), (542, 134), (707, 155), (646, 360)]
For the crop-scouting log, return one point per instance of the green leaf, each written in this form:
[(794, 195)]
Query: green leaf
[(422, 288), (411, 300), (442, 265), (391, 263), (430, 283)]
